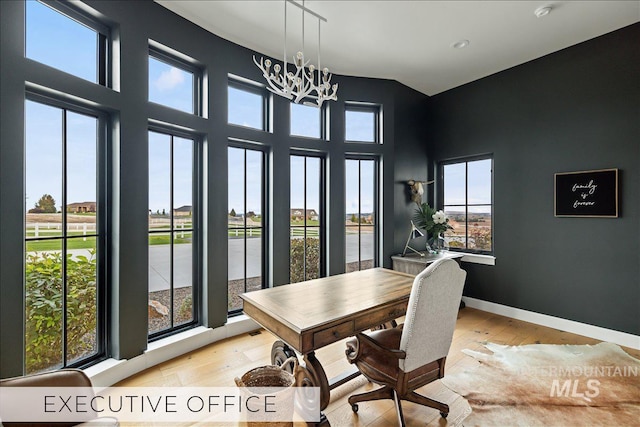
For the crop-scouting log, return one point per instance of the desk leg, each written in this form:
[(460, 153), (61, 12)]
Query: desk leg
[(312, 375), (280, 352)]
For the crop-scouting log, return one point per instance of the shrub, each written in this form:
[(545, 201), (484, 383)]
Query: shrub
[(44, 320), (298, 258), (480, 237), (186, 309)]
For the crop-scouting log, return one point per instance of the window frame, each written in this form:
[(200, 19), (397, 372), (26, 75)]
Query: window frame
[(104, 51), (196, 231), (256, 89), (466, 160), (376, 204), (322, 229), (363, 107), (234, 143), (103, 212), (163, 55)]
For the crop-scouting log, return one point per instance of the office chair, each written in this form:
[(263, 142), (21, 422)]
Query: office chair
[(406, 358)]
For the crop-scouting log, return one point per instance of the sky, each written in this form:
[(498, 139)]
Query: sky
[(478, 177)]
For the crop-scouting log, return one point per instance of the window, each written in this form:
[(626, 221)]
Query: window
[(306, 120), (174, 83), (174, 260), (360, 226), (467, 191), (361, 123), (246, 227), (306, 230), (62, 37), (247, 105), (64, 237)]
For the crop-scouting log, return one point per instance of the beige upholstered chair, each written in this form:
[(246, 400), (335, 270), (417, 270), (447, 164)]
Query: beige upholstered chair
[(60, 378), (406, 358)]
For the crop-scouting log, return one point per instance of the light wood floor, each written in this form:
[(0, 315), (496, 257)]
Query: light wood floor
[(217, 364)]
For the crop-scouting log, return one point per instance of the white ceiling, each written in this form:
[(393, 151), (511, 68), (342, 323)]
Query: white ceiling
[(410, 41)]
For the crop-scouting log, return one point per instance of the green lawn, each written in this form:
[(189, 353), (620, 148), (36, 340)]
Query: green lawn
[(300, 223), (56, 245), (163, 239), (90, 242)]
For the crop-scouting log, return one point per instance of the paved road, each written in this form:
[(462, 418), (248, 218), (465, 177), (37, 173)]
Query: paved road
[(159, 257), (159, 267)]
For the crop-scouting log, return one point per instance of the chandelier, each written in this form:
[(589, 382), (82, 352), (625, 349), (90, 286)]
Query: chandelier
[(306, 84)]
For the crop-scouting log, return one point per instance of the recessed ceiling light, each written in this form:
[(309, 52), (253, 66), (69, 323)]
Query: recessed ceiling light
[(542, 11), (460, 44)]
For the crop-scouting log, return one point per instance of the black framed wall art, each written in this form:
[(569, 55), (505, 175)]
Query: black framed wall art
[(592, 193)]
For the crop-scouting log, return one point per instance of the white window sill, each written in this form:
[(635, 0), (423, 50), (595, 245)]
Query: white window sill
[(479, 259), (110, 371)]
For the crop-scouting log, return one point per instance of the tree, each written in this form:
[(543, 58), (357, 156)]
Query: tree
[(46, 204), (354, 219), (232, 213)]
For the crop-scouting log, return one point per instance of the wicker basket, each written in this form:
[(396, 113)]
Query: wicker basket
[(269, 376)]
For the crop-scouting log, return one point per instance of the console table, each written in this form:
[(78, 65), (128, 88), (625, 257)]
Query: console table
[(414, 263)]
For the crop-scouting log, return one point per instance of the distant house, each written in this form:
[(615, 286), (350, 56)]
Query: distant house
[(81, 207), (182, 211), (298, 214)]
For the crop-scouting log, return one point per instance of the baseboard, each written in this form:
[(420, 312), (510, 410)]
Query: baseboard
[(591, 331), (111, 371)]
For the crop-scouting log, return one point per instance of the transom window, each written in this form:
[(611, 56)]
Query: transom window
[(306, 120), (306, 211), (362, 123), (62, 37), (65, 258), (467, 194), (247, 105), (246, 225), (360, 216), (174, 258), (174, 83)]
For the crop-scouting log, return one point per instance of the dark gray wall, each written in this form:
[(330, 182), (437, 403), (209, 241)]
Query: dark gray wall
[(577, 109), (133, 24), (412, 126)]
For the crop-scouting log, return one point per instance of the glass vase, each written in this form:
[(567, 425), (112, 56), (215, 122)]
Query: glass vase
[(436, 244)]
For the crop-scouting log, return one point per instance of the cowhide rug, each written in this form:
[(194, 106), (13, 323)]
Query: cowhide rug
[(550, 385)]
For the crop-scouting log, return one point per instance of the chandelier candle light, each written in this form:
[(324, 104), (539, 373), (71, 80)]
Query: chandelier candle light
[(307, 83)]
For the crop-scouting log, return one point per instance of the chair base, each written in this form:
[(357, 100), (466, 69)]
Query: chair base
[(387, 392)]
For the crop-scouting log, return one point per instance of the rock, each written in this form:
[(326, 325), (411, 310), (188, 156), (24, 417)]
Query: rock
[(157, 310)]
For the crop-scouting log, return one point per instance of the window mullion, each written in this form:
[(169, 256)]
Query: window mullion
[(304, 221), (359, 214), (171, 228), (466, 203), (64, 239), (245, 219)]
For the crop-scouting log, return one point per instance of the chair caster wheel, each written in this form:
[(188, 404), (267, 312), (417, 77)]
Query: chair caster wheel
[(354, 407), (444, 414)]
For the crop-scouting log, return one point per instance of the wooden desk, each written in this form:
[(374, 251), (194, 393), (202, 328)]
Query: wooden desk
[(312, 314)]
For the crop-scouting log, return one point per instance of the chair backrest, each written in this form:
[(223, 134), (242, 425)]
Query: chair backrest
[(431, 313), (60, 378)]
